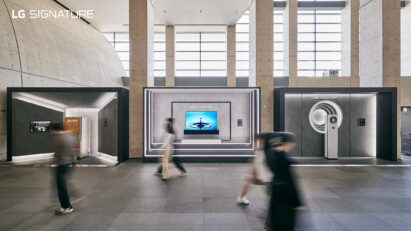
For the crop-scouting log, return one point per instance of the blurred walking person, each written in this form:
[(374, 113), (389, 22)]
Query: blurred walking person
[(64, 158), (167, 153), (283, 190), (258, 174)]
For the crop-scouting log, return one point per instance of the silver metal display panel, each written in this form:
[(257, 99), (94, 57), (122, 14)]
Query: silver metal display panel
[(237, 112)]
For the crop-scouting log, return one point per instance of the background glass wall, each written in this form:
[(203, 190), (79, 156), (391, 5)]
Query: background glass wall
[(121, 43), (319, 43), (200, 51)]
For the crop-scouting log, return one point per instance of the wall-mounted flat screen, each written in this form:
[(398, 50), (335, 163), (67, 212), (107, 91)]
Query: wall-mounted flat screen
[(201, 121), (39, 126)]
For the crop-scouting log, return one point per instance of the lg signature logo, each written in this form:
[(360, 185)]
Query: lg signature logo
[(47, 14)]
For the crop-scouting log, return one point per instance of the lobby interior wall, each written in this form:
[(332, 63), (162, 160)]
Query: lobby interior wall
[(108, 129), (405, 91), (324, 82), (405, 40), (51, 53), (25, 142), (363, 140)]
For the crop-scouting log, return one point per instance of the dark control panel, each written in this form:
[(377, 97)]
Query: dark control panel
[(361, 122)]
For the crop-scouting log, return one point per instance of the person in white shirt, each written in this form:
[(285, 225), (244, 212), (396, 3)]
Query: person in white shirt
[(259, 173), (168, 149)]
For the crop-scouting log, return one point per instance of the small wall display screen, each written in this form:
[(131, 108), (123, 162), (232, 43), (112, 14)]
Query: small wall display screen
[(39, 126), (201, 120)]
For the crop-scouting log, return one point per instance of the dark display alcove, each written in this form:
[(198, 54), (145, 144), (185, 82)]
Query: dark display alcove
[(368, 128), (101, 116)]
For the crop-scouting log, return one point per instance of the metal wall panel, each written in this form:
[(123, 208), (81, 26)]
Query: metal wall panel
[(363, 138), (406, 133), (293, 121)]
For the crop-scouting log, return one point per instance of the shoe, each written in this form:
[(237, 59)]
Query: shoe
[(62, 211), (258, 182), (158, 173), (243, 201), (183, 174)]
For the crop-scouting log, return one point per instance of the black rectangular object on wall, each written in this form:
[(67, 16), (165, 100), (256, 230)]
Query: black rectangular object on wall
[(361, 122), (24, 141), (108, 128), (387, 125)]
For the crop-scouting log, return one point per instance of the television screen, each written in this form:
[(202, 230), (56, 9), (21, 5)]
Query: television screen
[(201, 121), (39, 126)]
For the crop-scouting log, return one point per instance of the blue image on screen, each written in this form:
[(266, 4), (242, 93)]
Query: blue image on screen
[(201, 120)]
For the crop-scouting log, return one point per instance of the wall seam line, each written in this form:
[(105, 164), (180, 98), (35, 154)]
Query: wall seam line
[(17, 43), (10, 69), (43, 76)]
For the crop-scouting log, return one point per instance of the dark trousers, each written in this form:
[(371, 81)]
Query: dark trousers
[(177, 163), (281, 216), (61, 172)]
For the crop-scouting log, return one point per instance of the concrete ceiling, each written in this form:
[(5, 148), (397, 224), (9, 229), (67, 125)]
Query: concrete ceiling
[(224, 12), (110, 15)]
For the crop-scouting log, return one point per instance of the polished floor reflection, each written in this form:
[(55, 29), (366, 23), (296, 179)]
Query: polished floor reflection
[(130, 197)]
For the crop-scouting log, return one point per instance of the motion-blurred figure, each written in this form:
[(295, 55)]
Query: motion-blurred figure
[(284, 193), (258, 174), (64, 157), (168, 149)]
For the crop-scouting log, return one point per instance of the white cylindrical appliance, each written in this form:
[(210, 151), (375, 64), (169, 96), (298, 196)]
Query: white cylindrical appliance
[(331, 137), (326, 117)]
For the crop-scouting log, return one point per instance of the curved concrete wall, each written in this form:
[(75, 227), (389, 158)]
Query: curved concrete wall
[(51, 53)]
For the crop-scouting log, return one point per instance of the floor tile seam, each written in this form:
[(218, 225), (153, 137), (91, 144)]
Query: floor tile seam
[(366, 210), (352, 165), (360, 210), (365, 191), (384, 222), (27, 220), (335, 219)]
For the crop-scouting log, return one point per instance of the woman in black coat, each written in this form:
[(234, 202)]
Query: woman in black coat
[(283, 189)]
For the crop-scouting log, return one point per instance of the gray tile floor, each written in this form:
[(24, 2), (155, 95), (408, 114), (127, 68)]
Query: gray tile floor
[(404, 160), (130, 197)]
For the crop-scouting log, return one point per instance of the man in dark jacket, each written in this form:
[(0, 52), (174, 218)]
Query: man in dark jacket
[(64, 157), (283, 189)]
